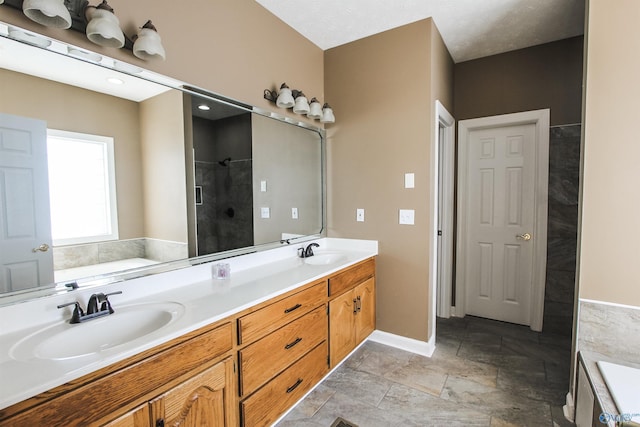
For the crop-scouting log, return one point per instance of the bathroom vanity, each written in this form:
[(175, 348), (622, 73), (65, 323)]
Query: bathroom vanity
[(239, 351)]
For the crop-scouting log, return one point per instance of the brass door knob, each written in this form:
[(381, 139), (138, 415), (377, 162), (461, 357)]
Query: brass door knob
[(42, 248), (525, 236)]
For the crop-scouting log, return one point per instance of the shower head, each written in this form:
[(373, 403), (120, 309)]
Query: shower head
[(225, 162)]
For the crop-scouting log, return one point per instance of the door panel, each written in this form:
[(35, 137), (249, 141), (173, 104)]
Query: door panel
[(25, 221), (501, 194)]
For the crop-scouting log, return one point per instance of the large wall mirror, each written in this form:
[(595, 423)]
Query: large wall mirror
[(105, 175)]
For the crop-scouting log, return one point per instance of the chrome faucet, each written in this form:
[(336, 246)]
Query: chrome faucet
[(97, 306), (306, 253)]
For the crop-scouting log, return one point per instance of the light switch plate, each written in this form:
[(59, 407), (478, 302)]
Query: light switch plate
[(360, 215), (263, 186), (407, 216), (265, 212), (409, 180), (294, 213)]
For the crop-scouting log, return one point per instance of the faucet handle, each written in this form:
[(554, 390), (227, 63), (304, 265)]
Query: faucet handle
[(106, 304), (77, 311)]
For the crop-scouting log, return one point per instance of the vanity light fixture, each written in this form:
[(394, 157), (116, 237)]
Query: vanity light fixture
[(287, 98), (301, 105), (283, 99), (50, 13), (147, 43), (103, 27), (315, 109), (327, 114)]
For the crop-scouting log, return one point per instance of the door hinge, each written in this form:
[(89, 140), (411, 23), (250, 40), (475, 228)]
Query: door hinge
[(439, 232), (327, 309)]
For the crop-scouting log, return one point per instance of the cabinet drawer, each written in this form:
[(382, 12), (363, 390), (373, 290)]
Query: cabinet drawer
[(267, 404), (259, 323), (263, 359), (352, 276)]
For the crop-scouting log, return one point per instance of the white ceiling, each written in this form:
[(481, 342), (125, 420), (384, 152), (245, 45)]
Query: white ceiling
[(470, 28)]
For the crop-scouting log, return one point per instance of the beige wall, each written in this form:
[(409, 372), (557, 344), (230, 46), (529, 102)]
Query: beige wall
[(235, 48), (381, 91), (275, 144), (610, 232), (69, 108), (543, 76), (164, 175)]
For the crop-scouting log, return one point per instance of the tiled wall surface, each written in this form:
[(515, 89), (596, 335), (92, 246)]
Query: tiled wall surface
[(96, 253), (564, 171), (611, 330), (225, 217)]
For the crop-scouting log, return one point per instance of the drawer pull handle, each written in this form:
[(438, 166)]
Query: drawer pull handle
[(295, 307), (293, 387), (291, 344), (355, 306), (359, 304)]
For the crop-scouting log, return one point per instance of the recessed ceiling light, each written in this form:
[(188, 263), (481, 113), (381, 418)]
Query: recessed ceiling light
[(115, 81), (204, 107)]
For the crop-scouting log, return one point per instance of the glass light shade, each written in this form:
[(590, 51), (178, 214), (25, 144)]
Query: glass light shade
[(103, 28), (148, 45), (315, 109), (327, 114), (50, 13), (301, 105), (285, 97)]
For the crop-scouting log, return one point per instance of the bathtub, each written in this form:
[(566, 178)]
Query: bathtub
[(75, 273)]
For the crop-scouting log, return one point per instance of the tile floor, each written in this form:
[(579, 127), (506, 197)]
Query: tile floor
[(483, 373)]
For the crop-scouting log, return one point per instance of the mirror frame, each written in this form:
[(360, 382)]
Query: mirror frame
[(121, 276)]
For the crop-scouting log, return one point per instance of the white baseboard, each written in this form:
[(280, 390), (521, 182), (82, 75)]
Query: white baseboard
[(424, 348), (569, 408)]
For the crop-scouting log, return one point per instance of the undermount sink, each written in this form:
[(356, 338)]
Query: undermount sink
[(325, 258), (65, 341)]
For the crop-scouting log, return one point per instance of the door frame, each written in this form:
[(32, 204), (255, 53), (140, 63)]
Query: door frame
[(540, 118), (447, 175), (444, 150)]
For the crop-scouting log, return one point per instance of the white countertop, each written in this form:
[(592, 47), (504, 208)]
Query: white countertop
[(255, 278)]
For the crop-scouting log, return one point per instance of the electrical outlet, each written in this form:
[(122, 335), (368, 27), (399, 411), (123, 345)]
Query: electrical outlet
[(407, 216), (294, 213), (360, 215), (263, 186), (265, 213)]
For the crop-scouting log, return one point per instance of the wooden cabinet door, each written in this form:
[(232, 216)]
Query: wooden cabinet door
[(204, 400), (138, 417), (366, 306), (342, 335)]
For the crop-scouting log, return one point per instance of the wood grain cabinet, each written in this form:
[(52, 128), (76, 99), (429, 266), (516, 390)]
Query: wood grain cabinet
[(283, 353), (204, 400), (118, 395), (352, 314), (283, 347)]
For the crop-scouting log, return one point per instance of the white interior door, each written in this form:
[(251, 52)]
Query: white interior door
[(26, 258), (504, 225)]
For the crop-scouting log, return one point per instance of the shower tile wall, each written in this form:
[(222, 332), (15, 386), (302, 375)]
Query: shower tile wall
[(564, 170), (223, 170), (225, 218)]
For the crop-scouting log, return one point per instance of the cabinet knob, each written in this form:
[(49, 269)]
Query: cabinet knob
[(160, 422)]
